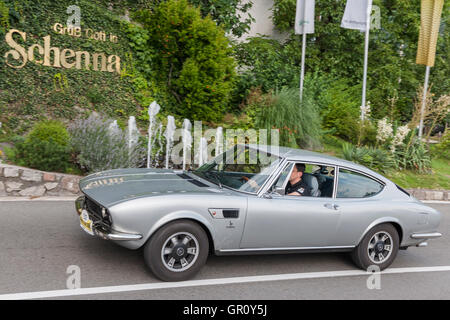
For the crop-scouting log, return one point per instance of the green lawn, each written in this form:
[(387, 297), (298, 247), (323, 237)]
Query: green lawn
[(439, 178)]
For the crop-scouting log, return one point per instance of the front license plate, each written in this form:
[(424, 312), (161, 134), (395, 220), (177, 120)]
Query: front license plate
[(86, 223)]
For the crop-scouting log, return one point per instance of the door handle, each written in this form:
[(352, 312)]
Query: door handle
[(331, 206), (328, 206)]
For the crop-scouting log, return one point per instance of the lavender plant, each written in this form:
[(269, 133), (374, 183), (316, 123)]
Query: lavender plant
[(99, 148)]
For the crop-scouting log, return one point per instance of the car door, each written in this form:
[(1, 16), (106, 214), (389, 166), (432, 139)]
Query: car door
[(359, 199), (278, 222)]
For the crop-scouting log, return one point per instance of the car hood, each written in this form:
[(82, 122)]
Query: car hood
[(114, 186)]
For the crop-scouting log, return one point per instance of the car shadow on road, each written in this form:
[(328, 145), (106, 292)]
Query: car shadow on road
[(249, 265)]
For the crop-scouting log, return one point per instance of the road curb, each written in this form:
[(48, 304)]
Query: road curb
[(427, 194)]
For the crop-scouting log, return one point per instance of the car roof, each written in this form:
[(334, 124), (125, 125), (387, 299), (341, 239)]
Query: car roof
[(311, 156)]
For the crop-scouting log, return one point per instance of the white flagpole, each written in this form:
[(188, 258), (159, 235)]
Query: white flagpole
[(424, 99), (366, 53), (302, 72), (304, 17)]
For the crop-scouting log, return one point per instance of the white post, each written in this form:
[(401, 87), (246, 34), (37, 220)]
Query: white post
[(366, 54), (302, 71), (424, 100)]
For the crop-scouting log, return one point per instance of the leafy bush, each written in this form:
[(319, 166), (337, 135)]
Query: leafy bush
[(376, 159), (227, 14), (414, 156), (299, 123), (193, 68), (283, 14), (45, 148), (340, 110), (51, 129), (442, 149), (263, 64), (97, 148)]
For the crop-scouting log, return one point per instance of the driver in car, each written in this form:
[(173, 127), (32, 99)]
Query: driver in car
[(296, 186)]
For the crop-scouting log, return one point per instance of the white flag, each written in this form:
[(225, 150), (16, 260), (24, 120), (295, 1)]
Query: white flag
[(356, 13), (304, 16)]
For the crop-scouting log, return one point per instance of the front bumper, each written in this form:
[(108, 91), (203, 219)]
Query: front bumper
[(103, 231)]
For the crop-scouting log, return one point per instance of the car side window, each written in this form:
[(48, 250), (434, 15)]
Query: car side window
[(355, 185), (319, 179)]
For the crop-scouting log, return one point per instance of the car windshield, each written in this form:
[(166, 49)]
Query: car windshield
[(241, 168)]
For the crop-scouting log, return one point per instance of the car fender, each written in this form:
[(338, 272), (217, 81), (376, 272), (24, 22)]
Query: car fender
[(178, 215), (380, 221)]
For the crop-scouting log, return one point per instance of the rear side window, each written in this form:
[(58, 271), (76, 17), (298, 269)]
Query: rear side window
[(355, 185)]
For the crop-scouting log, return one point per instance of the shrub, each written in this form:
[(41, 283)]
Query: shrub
[(283, 16), (299, 123), (414, 156), (376, 159), (227, 14), (340, 110), (51, 129), (442, 149), (263, 64), (45, 148), (194, 68), (98, 149)]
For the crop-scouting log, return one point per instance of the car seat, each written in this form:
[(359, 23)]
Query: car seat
[(313, 183)]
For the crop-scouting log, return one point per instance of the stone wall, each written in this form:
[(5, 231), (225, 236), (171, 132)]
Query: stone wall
[(23, 182)]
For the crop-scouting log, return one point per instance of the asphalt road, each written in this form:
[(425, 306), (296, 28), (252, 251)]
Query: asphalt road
[(39, 240)]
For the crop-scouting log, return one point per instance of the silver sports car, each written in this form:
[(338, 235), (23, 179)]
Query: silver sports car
[(254, 199)]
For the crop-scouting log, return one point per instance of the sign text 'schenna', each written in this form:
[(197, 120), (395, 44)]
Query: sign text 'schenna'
[(56, 57)]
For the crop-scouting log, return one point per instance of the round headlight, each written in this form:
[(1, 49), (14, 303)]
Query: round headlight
[(104, 215)]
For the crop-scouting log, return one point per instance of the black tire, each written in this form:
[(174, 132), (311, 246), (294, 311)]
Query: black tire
[(159, 264), (360, 254)]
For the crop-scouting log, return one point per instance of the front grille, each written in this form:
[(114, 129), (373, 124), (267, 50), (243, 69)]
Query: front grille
[(95, 212)]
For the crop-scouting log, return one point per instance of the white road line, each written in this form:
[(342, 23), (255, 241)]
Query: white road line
[(210, 282)]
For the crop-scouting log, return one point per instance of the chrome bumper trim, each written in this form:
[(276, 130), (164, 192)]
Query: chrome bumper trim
[(422, 244), (426, 235), (117, 236)]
